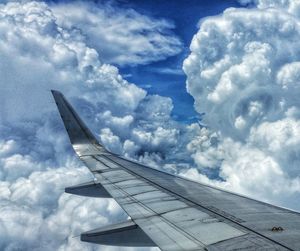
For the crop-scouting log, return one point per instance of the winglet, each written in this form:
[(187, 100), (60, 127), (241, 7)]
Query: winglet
[(82, 139)]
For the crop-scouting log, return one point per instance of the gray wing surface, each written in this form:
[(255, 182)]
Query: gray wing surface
[(171, 212)]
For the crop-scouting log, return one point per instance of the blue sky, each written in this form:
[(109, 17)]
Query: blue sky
[(165, 77), (243, 71), (186, 16)]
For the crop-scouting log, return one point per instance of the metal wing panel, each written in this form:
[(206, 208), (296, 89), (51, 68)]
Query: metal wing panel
[(255, 216), (178, 214), (164, 234), (172, 222), (155, 212)]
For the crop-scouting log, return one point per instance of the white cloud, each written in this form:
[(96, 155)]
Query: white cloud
[(37, 54), (8, 147), (291, 6), (122, 36), (161, 139), (289, 76), (243, 73), (246, 85)]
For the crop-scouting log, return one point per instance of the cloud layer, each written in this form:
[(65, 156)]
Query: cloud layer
[(242, 72), (36, 55)]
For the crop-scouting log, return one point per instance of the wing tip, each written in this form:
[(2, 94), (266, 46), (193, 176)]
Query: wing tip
[(55, 92)]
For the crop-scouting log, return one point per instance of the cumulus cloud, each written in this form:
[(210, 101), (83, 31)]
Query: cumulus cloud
[(37, 54), (243, 73), (246, 85)]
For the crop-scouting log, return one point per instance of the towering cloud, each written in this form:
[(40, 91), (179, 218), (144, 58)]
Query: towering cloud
[(243, 72)]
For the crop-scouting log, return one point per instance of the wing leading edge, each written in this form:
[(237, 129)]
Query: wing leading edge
[(171, 212)]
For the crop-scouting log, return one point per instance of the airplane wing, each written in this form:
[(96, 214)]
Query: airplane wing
[(171, 212)]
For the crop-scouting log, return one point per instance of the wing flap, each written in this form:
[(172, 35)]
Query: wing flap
[(89, 189), (126, 234)]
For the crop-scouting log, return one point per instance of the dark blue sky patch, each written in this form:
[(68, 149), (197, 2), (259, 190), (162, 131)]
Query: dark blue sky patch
[(166, 77)]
